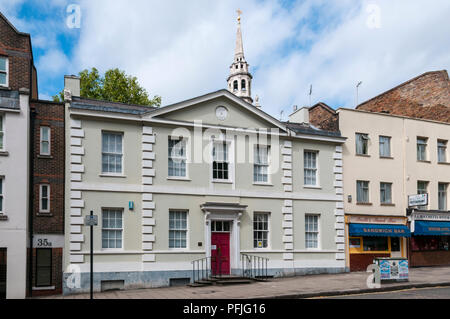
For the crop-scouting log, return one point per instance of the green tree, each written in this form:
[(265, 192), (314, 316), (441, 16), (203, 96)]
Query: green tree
[(114, 86)]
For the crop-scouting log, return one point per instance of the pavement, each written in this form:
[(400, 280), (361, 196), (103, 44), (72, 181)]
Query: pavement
[(284, 288)]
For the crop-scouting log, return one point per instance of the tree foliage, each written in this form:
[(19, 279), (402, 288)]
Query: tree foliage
[(114, 86)]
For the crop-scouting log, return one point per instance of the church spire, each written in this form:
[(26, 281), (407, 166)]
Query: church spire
[(240, 80)]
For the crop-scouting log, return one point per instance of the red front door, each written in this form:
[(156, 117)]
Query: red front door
[(220, 253)]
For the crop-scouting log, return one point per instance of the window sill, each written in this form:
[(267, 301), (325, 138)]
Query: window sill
[(262, 184), (222, 181), (420, 161), (183, 179), (444, 163), (45, 156), (386, 157), (387, 204), (362, 155), (44, 214), (44, 288), (112, 175), (3, 217), (312, 187), (4, 153), (364, 204)]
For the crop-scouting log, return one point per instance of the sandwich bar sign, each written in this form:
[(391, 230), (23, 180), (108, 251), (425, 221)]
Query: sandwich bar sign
[(418, 200)]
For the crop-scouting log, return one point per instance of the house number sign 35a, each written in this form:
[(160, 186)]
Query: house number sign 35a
[(44, 242)]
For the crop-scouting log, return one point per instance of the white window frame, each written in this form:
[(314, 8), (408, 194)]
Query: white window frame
[(5, 72), (368, 191), (2, 132), (314, 232), (365, 137), (122, 229), (390, 193), (256, 147), (314, 169), (41, 140), (423, 191), (422, 142), (2, 195), (389, 149), (121, 173), (183, 158), (230, 160), (41, 197), (442, 145), (267, 231), (185, 230), (445, 193)]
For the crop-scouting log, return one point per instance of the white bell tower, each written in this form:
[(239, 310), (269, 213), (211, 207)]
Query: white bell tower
[(240, 80)]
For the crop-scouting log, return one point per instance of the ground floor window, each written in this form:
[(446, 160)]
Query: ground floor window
[(261, 230), (375, 243), (43, 267), (177, 229), (112, 228), (430, 243)]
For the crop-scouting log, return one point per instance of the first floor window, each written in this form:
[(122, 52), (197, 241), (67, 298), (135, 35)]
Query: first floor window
[(261, 164), (3, 71), (112, 152), (312, 231), (177, 158), (1, 132), (44, 198), (362, 191), (112, 228), (178, 229), (442, 194), (422, 188), (43, 267), (45, 140), (220, 161), (310, 168), (386, 193), (1, 195), (261, 230)]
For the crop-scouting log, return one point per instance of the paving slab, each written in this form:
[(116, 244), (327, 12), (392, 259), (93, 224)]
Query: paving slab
[(287, 287)]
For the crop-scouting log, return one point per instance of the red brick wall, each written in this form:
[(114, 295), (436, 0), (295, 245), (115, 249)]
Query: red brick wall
[(427, 97), (49, 170), (322, 118), (17, 48)]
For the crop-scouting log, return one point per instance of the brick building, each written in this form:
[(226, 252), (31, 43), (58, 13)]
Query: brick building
[(32, 135), (47, 122), (426, 96)]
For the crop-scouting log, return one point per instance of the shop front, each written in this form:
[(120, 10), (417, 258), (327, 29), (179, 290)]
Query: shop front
[(430, 238), (371, 237)]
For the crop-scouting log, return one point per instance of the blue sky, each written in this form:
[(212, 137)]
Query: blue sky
[(181, 49)]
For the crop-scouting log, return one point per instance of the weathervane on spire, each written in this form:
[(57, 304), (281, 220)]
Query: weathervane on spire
[(239, 12)]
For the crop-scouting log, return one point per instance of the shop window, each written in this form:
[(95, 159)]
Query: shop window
[(375, 244), (355, 243), (430, 243), (395, 244)]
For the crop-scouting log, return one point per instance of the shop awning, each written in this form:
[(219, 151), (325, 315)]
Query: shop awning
[(425, 228), (379, 230)]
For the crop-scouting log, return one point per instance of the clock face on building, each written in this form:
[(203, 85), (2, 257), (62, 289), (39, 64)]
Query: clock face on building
[(221, 113)]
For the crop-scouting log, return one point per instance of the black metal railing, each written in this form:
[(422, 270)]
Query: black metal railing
[(254, 267), (201, 269)]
